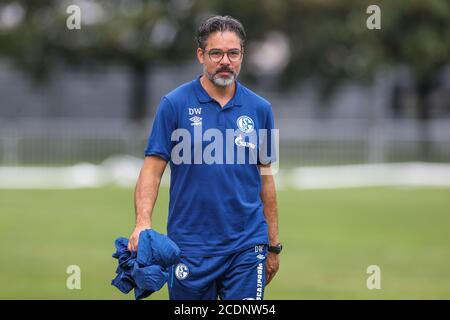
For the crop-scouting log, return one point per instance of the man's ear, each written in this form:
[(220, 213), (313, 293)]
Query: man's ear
[(200, 55)]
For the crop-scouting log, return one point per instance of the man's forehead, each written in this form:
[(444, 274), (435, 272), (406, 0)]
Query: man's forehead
[(228, 39)]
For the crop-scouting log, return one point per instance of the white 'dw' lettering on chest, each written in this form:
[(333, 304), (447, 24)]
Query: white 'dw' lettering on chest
[(195, 120)]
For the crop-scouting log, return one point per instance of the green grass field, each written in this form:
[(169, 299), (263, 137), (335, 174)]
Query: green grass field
[(330, 238)]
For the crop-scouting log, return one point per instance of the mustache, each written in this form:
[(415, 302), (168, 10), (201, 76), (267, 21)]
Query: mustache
[(224, 70)]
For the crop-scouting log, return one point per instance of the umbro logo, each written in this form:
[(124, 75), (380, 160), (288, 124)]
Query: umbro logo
[(196, 121)]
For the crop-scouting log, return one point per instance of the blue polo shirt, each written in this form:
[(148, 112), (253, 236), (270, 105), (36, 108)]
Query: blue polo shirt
[(215, 206)]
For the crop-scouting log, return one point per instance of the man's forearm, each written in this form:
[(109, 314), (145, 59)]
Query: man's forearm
[(145, 196), (146, 191), (269, 199)]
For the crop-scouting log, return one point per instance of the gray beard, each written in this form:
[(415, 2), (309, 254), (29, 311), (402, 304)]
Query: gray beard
[(222, 81)]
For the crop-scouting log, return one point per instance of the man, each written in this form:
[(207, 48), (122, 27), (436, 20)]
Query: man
[(222, 214)]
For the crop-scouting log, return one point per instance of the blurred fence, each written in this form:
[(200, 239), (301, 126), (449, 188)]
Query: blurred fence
[(80, 115), (64, 141)]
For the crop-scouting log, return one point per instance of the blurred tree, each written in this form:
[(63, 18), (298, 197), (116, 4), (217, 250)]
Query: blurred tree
[(136, 33), (330, 42), (290, 40)]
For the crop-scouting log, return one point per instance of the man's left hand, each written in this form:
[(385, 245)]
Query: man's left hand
[(272, 265)]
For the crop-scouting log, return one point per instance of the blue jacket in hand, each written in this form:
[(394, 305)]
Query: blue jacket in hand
[(147, 269)]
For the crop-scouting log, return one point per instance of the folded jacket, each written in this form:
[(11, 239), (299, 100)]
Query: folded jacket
[(156, 248), (147, 269)]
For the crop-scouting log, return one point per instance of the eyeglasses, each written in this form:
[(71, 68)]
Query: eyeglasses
[(216, 55)]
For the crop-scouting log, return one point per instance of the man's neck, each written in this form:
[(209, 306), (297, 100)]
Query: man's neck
[(220, 94)]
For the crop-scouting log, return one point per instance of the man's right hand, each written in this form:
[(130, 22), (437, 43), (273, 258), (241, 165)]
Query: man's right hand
[(134, 238)]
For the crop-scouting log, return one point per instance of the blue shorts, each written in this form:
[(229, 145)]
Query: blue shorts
[(238, 276)]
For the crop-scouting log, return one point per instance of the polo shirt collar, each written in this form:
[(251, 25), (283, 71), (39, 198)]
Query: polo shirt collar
[(204, 97)]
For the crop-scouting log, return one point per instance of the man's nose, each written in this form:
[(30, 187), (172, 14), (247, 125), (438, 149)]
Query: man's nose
[(225, 60)]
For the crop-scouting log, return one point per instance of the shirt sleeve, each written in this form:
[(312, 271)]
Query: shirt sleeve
[(268, 140), (165, 122)]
